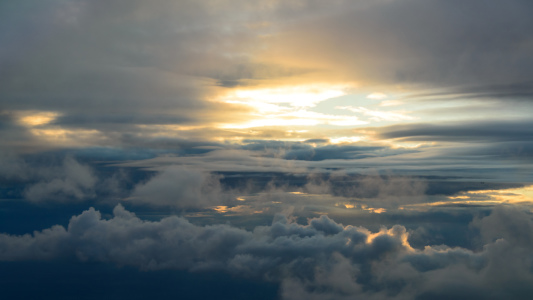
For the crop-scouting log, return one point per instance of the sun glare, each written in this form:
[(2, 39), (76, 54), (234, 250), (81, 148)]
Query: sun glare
[(288, 106), (298, 96)]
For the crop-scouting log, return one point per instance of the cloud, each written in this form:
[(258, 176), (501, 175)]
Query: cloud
[(179, 187), (127, 74), (74, 181), (504, 131), (438, 43), (323, 259)]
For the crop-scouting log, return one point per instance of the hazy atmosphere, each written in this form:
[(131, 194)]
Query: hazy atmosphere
[(266, 149)]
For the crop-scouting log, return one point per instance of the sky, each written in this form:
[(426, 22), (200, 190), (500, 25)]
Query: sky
[(266, 149)]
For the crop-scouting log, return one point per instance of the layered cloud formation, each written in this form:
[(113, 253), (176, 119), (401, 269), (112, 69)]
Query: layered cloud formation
[(181, 129)]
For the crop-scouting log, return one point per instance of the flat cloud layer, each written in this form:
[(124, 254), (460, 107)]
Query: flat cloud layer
[(107, 67)]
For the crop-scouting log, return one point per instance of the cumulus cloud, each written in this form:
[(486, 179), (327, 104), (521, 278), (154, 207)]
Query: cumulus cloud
[(73, 181), (320, 260), (179, 187)]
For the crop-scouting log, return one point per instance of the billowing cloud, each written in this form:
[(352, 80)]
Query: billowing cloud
[(179, 187), (74, 181), (322, 259)]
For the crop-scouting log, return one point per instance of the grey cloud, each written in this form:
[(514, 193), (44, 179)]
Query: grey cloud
[(304, 151), (117, 62), (339, 152), (461, 161), (509, 223), (508, 131), (308, 259), (180, 188), (74, 181), (517, 91), (316, 141), (435, 42), (65, 177)]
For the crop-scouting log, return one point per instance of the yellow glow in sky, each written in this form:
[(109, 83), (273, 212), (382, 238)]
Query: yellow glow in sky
[(296, 118), (345, 140), (377, 96), (518, 195), (31, 119), (522, 195), (298, 96)]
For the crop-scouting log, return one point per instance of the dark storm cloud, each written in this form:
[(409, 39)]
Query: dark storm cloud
[(322, 260)]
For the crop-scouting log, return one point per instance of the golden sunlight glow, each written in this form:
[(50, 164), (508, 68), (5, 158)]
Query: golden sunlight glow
[(377, 96), (221, 209), (66, 137), (404, 237), (346, 140), (31, 119), (374, 210), (298, 193), (287, 106), (515, 195), (296, 118), (239, 209), (522, 195), (391, 103), (299, 96), (271, 122)]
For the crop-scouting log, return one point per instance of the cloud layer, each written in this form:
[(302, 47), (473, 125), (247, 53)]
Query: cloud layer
[(322, 259)]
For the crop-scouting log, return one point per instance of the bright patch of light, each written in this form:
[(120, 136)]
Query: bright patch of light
[(298, 96), (297, 118), (261, 107), (391, 103), (377, 115), (346, 140), (31, 119), (377, 96), (66, 137), (272, 122), (522, 195), (519, 195), (220, 209)]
